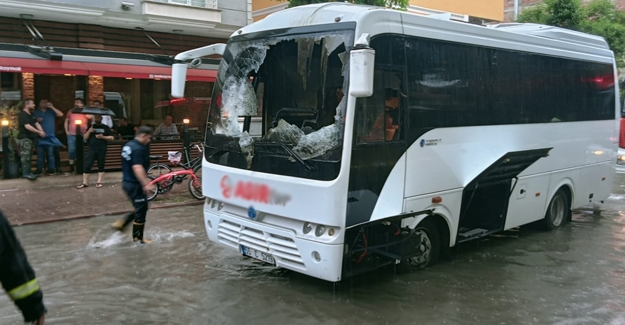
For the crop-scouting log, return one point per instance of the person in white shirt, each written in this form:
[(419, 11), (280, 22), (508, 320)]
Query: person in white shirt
[(167, 130)]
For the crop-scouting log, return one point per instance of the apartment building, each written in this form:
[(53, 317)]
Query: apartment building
[(479, 11)]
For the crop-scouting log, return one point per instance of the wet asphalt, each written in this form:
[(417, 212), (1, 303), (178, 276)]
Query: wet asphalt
[(90, 275)]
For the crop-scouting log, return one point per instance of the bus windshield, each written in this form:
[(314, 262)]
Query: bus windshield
[(279, 107)]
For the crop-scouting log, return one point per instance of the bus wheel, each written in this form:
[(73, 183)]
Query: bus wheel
[(427, 248), (557, 211)]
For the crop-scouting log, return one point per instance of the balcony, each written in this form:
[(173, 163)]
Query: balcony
[(196, 13), (210, 4)]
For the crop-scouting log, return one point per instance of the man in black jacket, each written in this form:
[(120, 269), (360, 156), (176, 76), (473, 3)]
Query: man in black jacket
[(18, 278)]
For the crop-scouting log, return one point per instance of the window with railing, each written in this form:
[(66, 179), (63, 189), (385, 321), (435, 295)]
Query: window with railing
[(211, 4)]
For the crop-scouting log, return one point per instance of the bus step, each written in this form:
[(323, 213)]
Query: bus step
[(385, 254), (473, 233)]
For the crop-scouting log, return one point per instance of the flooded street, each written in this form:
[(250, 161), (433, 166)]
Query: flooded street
[(575, 275)]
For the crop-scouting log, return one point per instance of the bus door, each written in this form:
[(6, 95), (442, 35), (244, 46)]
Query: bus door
[(379, 141)]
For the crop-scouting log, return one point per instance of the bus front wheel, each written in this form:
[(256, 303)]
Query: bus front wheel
[(426, 242), (557, 211)]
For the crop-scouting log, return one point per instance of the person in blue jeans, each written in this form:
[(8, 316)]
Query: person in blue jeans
[(46, 115), (70, 130)]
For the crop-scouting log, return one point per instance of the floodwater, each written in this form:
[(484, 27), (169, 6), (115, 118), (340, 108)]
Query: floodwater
[(575, 275)]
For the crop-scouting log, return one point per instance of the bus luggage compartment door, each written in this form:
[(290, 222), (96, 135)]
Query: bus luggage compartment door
[(486, 198)]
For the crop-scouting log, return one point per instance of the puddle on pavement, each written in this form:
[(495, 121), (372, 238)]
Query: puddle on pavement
[(90, 274)]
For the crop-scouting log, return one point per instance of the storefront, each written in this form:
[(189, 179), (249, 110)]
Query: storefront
[(139, 86), (124, 68)]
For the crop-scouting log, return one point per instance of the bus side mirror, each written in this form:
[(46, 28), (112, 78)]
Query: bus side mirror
[(178, 79), (361, 64)]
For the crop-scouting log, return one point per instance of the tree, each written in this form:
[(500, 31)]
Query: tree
[(402, 4), (564, 13), (599, 17), (537, 14), (603, 19)]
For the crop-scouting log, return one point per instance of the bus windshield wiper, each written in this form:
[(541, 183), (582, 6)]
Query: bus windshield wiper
[(289, 151), (295, 156)]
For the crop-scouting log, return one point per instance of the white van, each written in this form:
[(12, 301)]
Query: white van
[(112, 100)]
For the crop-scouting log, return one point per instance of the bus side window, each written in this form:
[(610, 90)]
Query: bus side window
[(379, 117)]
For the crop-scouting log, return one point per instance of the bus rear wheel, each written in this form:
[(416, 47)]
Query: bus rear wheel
[(557, 211), (426, 242)]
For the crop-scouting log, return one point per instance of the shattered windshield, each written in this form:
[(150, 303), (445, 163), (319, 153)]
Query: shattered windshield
[(279, 105)]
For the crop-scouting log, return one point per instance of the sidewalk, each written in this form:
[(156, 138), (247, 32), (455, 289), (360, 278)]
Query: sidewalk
[(56, 198), (44, 181)]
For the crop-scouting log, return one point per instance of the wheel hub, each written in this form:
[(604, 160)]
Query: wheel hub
[(424, 250)]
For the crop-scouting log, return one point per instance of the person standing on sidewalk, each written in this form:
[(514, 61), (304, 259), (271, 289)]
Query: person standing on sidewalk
[(70, 130), (98, 136), (135, 162), (17, 276), (28, 131), (46, 116)]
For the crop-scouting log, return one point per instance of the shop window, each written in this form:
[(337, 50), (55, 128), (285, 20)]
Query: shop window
[(10, 88)]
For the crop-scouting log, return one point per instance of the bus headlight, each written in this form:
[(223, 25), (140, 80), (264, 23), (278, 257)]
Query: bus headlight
[(308, 227), (620, 160), (320, 230)]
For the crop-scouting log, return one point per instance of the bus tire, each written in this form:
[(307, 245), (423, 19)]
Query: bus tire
[(429, 248), (557, 211)]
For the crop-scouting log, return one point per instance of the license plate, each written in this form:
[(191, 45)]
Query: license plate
[(261, 256)]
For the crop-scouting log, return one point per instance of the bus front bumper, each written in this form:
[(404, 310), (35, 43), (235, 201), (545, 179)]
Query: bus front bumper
[(315, 259)]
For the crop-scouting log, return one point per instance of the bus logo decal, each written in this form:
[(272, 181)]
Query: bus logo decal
[(429, 142), (251, 212)]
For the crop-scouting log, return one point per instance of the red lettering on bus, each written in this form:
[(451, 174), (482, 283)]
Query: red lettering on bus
[(251, 191)]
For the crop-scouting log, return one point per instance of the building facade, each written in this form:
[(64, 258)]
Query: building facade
[(479, 11), (116, 51)]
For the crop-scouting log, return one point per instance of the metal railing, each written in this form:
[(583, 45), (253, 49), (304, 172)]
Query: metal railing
[(210, 4)]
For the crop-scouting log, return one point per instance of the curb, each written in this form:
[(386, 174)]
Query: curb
[(115, 213)]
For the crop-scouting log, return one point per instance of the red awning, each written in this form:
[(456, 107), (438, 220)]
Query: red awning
[(100, 69), (42, 66)]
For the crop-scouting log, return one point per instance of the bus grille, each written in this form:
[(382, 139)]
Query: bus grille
[(282, 248)]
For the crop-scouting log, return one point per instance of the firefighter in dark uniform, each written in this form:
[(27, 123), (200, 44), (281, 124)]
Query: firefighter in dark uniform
[(135, 162), (18, 278)]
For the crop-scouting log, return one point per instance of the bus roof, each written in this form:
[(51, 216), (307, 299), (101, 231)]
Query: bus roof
[(377, 20)]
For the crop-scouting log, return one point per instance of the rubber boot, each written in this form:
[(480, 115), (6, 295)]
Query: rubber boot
[(122, 223), (137, 233), (26, 172)]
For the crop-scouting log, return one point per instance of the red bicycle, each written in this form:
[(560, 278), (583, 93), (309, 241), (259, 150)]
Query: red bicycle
[(164, 182)]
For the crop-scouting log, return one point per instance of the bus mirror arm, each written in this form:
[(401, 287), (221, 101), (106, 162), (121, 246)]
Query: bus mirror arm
[(192, 58)]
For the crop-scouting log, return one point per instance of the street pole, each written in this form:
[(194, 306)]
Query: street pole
[(5, 149), (185, 132), (79, 148)]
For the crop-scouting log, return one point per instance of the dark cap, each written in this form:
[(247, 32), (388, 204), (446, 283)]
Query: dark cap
[(392, 93)]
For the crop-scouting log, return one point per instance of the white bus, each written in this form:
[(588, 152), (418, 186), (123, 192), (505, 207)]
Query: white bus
[(385, 137)]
